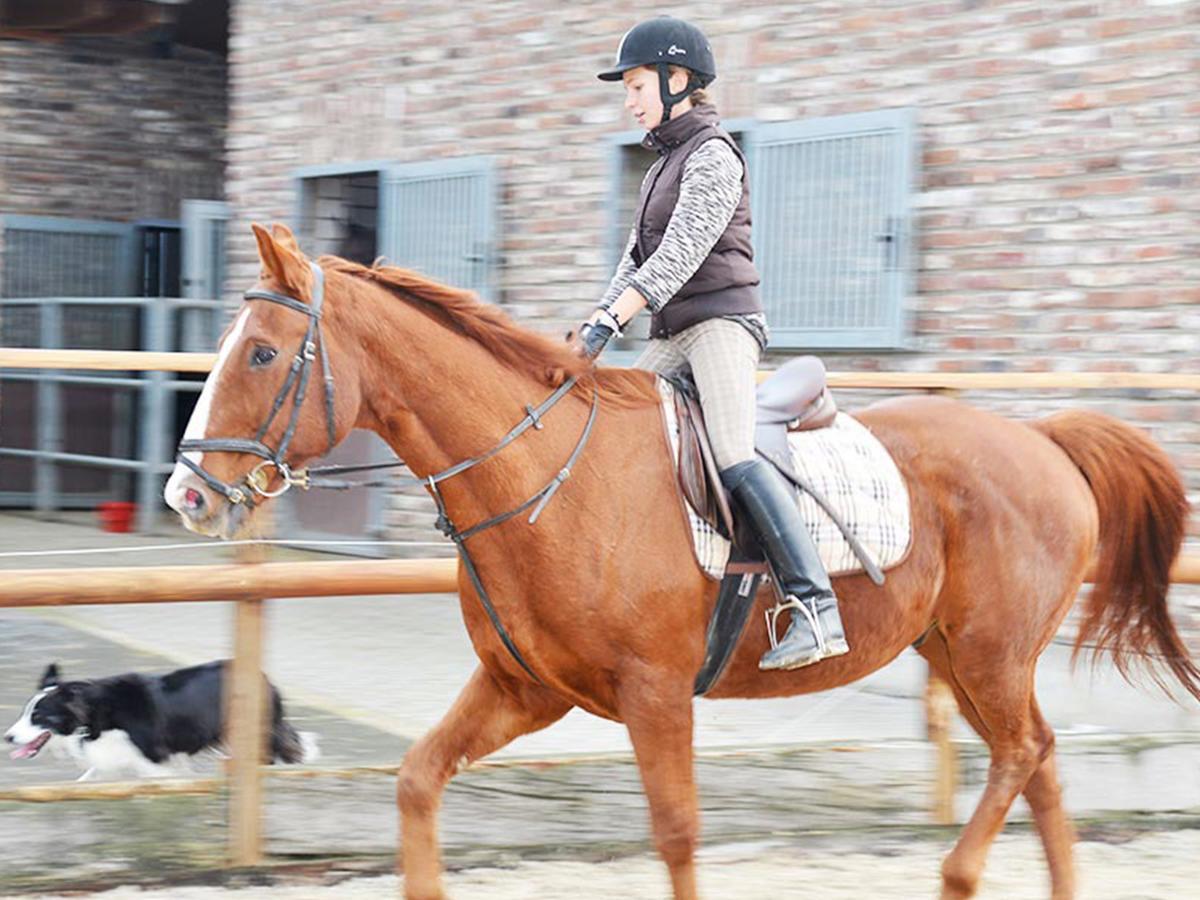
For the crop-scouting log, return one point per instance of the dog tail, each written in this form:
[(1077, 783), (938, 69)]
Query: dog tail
[(291, 746), (287, 744)]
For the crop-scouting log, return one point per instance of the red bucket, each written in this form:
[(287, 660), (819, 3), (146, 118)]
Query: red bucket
[(116, 516)]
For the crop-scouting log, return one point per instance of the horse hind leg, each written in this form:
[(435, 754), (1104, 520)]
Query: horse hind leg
[(485, 717), (998, 706), (1044, 797)]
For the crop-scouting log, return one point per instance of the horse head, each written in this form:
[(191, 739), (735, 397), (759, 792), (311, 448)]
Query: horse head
[(269, 404)]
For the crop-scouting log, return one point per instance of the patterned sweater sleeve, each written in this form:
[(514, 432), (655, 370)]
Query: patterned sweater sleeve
[(709, 192), (625, 268)]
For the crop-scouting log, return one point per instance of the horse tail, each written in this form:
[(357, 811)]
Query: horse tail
[(1143, 513)]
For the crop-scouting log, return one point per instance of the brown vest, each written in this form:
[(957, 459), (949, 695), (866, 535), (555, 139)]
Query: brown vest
[(727, 281)]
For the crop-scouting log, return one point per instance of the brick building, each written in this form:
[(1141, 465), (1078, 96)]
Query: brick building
[(114, 127), (958, 185), (112, 118), (1048, 205)]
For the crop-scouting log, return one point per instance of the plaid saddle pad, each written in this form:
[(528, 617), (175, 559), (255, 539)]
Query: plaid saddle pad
[(852, 470)]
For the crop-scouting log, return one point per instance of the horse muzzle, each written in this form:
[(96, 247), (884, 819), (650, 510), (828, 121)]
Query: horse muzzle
[(203, 510)]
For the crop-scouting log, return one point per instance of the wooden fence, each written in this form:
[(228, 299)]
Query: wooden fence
[(249, 583)]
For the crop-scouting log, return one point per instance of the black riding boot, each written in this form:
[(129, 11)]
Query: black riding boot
[(761, 495)]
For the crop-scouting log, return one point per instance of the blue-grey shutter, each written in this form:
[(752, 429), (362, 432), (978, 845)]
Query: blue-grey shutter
[(439, 218), (830, 200)]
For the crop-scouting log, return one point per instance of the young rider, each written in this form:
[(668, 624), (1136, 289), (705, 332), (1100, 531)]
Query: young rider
[(690, 260)]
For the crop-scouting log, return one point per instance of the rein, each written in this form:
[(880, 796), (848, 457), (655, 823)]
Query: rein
[(257, 481)]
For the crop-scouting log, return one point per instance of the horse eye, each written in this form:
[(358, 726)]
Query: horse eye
[(262, 356)]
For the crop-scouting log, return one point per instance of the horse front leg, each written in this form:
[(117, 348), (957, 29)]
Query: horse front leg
[(486, 716), (660, 727)]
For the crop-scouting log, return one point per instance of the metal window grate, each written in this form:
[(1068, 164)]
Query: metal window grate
[(439, 218), (831, 226), (47, 257)]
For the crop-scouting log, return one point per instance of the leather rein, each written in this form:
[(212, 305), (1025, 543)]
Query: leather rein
[(256, 483)]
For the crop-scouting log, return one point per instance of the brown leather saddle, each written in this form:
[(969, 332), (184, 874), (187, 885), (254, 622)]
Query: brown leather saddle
[(794, 398)]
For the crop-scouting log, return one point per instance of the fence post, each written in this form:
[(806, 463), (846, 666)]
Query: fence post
[(153, 419), (246, 721), (49, 413)]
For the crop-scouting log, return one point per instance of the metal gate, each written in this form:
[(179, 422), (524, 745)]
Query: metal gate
[(831, 228), (57, 259), (439, 218), (72, 440)]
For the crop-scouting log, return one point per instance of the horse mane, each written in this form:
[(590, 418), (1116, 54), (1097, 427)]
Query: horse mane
[(548, 361)]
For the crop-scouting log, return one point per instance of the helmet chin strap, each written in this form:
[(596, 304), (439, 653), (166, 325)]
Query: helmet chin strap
[(664, 90)]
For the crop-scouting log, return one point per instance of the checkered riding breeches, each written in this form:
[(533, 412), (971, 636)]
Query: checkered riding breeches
[(723, 358)]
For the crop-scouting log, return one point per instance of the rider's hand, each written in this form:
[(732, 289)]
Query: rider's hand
[(594, 337), (597, 331)]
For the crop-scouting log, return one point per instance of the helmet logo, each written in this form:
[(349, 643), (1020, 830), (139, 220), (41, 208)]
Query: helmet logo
[(673, 50)]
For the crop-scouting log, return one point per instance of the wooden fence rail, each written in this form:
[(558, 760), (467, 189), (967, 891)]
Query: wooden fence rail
[(247, 585), (276, 580), (140, 361)]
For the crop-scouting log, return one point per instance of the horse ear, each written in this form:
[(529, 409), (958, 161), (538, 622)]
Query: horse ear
[(50, 677), (284, 237), (281, 256)]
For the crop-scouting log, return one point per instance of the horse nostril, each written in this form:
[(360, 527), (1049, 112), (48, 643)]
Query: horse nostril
[(193, 499), (10, 738)]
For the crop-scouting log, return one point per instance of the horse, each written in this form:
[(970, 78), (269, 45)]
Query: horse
[(599, 604)]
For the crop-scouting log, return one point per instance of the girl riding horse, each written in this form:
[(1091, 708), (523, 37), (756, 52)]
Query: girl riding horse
[(689, 259)]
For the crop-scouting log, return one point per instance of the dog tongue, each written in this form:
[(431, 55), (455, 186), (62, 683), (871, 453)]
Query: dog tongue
[(27, 750)]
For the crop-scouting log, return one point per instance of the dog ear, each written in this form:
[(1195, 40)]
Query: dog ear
[(77, 699), (50, 678)]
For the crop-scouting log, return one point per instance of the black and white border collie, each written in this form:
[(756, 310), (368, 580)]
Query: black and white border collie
[(145, 725)]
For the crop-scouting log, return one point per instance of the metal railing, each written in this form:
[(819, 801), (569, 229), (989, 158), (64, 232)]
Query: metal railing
[(155, 414)]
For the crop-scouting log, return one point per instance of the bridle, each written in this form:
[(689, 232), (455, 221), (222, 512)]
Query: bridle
[(256, 482)]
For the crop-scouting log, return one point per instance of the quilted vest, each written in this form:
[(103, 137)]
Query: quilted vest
[(727, 281)]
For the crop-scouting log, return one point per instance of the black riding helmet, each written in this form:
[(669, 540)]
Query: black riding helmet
[(660, 43)]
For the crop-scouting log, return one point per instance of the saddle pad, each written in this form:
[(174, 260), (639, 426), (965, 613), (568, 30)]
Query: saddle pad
[(851, 469)]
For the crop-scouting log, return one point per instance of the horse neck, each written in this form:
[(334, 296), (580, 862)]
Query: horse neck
[(438, 397)]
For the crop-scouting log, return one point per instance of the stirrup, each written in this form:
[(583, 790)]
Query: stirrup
[(793, 602)]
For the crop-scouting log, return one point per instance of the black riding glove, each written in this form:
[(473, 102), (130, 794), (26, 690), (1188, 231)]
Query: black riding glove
[(595, 337)]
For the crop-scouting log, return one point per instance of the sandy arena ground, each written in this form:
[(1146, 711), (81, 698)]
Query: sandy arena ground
[(1154, 866)]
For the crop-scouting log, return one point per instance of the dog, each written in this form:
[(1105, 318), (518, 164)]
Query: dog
[(147, 725)]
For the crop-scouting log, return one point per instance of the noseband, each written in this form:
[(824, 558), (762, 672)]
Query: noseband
[(257, 480)]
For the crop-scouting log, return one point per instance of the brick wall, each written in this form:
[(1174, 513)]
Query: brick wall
[(104, 129), (1059, 190)]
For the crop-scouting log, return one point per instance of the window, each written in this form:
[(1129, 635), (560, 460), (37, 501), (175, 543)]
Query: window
[(439, 218), (435, 217), (830, 200), (339, 212)]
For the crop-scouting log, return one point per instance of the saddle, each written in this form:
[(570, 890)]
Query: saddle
[(794, 398)]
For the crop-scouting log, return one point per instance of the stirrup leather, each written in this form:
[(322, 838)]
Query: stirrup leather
[(792, 602)]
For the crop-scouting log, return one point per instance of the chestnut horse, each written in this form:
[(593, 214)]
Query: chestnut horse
[(602, 596)]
